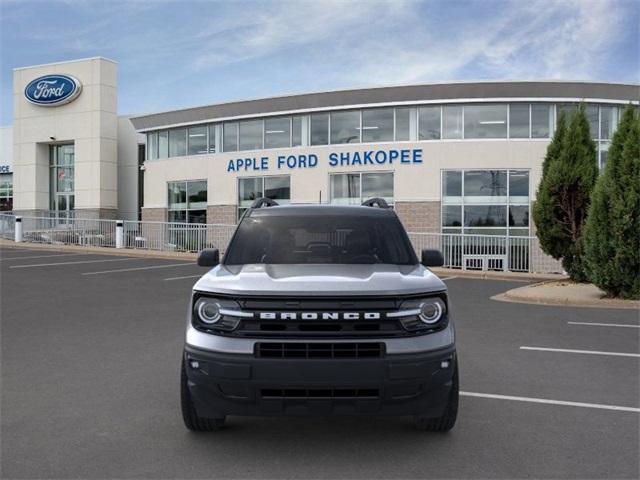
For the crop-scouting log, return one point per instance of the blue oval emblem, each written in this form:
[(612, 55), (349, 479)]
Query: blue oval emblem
[(52, 90)]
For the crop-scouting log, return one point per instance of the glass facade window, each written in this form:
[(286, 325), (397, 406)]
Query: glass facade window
[(296, 131), (592, 116), (61, 179), (187, 201), (485, 121), (212, 138), (6, 192), (476, 202), (345, 127), (377, 185), (355, 188), (452, 216), (163, 144), (320, 129), (278, 188), (485, 216), (541, 120), (519, 186), (519, 216), (277, 132), (519, 120), (403, 124), (485, 186), (608, 122), (345, 188), (152, 146), (230, 137), (251, 135), (451, 186), (377, 125), (178, 142), (429, 123), (252, 188), (197, 140), (452, 121)]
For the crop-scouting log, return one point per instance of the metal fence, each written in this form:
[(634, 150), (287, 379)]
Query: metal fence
[(7, 226), (67, 231), (180, 237), (467, 252), (488, 252)]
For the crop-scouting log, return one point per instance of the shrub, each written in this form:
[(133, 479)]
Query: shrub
[(612, 233), (560, 211)]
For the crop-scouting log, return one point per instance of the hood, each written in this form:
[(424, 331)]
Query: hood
[(330, 279)]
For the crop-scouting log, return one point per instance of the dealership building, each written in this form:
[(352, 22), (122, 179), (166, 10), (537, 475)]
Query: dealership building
[(460, 157)]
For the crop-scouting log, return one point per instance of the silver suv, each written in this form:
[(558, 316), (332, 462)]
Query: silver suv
[(319, 310)]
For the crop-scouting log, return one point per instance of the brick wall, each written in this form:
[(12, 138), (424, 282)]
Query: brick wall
[(222, 214), (154, 214), (419, 216)]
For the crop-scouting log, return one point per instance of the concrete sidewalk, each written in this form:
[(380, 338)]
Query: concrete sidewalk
[(567, 293)]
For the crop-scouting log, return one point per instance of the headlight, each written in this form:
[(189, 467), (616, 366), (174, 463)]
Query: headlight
[(208, 311), (423, 313), (216, 314), (431, 311)]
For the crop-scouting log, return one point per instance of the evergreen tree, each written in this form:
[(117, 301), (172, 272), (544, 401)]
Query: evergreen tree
[(612, 233), (563, 197)]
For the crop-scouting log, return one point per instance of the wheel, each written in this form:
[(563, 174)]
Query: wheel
[(191, 419), (445, 422)]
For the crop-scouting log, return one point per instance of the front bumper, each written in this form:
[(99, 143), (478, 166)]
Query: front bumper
[(240, 384)]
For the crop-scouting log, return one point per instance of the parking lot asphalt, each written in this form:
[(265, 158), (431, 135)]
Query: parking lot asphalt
[(90, 353)]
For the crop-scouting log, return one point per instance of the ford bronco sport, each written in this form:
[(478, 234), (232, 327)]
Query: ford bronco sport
[(319, 310)]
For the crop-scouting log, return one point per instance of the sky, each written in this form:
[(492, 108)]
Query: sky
[(176, 54)]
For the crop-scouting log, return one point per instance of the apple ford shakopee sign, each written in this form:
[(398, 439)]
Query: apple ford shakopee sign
[(53, 90)]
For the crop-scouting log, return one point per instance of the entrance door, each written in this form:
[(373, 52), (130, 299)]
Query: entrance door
[(62, 176)]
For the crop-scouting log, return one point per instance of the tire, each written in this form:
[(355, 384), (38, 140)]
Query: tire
[(445, 422), (190, 417)]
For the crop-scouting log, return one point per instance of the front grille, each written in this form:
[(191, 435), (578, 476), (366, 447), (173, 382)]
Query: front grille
[(312, 393), (319, 350), (293, 328)]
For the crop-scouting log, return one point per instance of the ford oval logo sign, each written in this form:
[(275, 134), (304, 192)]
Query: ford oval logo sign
[(53, 90)]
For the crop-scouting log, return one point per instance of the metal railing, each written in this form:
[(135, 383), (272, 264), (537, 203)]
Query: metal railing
[(7, 226), (181, 237), (467, 252), (69, 231), (488, 252)]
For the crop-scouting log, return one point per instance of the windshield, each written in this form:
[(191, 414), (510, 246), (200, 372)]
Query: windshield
[(341, 239)]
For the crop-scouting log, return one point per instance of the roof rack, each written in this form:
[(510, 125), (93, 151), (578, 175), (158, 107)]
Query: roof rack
[(264, 202), (375, 202)]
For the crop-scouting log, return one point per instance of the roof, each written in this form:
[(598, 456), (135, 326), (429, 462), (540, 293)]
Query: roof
[(407, 94), (320, 210)]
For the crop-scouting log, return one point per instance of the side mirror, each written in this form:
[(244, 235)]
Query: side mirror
[(432, 258), (209, 257)]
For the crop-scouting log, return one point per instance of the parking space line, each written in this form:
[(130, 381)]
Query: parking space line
[(182, 278), (588, 352), (551, 402), (42, 256), (152, 267), (74, 263), (605, 324), (447, 278)]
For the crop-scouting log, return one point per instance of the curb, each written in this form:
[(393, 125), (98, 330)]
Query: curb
[(512, 296), (508, 276)]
